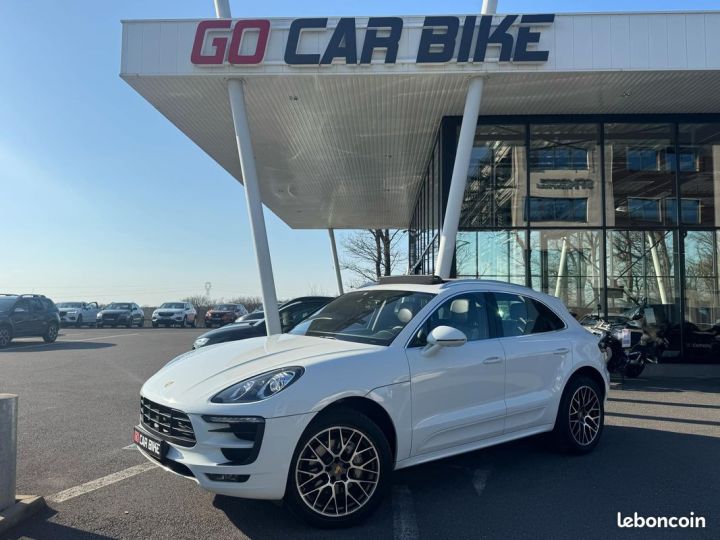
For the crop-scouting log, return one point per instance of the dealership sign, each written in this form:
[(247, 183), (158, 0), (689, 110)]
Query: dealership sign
[(443, 39)]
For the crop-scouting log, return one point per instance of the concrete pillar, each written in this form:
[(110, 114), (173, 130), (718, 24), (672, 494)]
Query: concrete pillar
[(8, 449), (466, 139), (336, 263)]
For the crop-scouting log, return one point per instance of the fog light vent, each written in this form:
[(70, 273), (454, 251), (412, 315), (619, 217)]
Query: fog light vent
[(227, 477)]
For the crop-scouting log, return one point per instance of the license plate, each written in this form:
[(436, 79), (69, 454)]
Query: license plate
[(155, 447)]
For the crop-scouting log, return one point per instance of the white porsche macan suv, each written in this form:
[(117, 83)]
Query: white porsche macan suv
[(382, 378)]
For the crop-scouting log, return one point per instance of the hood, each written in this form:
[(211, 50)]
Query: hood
[(196, 376)]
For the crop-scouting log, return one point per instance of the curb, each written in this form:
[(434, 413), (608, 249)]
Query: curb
[(25, 506)]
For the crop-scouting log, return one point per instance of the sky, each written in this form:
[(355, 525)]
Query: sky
[(101, 198)]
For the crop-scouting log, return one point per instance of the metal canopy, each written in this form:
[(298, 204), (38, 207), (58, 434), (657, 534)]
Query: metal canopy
[(345, 146)]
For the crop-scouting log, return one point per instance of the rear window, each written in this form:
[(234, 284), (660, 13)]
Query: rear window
[(520, 316)]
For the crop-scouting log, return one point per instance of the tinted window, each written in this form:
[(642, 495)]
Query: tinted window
[(23, 304), (7, 302), (466, 312), (519, 316), (37, 305)]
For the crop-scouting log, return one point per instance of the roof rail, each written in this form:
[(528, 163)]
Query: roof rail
[(411, 279)]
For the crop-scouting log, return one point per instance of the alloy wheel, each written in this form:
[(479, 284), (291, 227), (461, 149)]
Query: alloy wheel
[(584, 415), (4, 337), (337, 471)]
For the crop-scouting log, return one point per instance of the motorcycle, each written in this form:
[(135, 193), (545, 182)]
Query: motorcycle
[(628, 347)]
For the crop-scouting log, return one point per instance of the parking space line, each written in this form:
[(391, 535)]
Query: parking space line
[(93, 485), (404, 522)]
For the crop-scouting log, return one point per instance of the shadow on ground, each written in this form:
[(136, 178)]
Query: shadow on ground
[(31, 346)]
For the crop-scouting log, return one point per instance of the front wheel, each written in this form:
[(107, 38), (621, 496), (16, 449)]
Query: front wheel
[(141, 324), (51, 333), (5, 336), (183, 323), (340, 471), (580, 417), (79, 321)]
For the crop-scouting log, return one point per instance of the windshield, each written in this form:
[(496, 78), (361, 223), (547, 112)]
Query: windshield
[(375, 316), (118, 306), (7, 302), (172, 305), (225, 307), (69, 305)]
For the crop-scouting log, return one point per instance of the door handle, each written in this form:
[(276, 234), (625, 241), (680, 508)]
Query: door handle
[(492, 360), (561, 352)]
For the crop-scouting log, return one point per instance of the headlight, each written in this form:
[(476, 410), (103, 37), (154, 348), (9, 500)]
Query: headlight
[(199, 342), (99, 315), (155, 312), (260, 387)]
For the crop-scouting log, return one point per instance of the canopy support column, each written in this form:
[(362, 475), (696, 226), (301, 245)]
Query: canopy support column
[(448, 234), (336, 264), (254, 206)]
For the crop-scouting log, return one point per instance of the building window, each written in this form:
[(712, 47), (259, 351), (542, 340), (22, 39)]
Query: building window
[(642, 159), (559, 158), (689, 211), (557, 209), (644, 209)]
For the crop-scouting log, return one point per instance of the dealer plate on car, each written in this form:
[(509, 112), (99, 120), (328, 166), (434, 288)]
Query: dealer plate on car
[(155, 447)]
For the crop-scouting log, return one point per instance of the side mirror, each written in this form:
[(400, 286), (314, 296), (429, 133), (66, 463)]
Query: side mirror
[(444, 336)]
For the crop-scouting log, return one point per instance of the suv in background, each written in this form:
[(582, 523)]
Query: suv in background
[(224, 314), (172, 313), (23, 315), (78, 313)]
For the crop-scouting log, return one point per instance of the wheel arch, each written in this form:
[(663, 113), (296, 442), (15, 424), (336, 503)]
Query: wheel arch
[(373, 410), (593, 374)]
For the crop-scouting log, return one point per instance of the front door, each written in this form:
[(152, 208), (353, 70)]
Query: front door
[(457, 392), (22, 318), (536, 357)]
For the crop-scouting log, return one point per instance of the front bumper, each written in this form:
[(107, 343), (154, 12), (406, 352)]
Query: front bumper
[(68, 318), (264, 478), (167, 320)]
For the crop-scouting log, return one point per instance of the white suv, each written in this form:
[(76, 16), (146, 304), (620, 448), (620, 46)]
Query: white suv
[(380, 379), (175, 313)]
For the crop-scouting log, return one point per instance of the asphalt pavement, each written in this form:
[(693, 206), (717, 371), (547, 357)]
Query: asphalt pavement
[(79, 400)]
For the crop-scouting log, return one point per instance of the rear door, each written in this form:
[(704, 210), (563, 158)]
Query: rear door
[(537, 352)]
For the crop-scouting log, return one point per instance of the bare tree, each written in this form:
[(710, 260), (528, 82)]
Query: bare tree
[(371, 253)]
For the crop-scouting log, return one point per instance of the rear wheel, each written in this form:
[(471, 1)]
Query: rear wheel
[(634, 370), (51, 333), (580, 417), (5, 336), (340, 471)]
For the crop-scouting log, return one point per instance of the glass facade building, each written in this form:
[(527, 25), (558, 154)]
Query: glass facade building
[(613, 214)]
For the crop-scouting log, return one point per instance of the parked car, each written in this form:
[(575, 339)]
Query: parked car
[(78, 313), (380, 379), (291, 313), (25, 315), (175, 313), (121, 314), (224, 314)]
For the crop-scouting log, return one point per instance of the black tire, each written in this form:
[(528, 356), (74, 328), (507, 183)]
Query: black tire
[(98, 325), (141, 324), (338, 472), (580, 417), (154, 325), (194, 323), (634, 370), (6, 336), (130, 323), (51, 333), (183, 323), (79, 321)]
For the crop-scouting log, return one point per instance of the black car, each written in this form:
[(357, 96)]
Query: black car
[(291, 313), (23, 315), (121, 314)]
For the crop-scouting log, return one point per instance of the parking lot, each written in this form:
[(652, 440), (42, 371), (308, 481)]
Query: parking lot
[(79, 401)]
